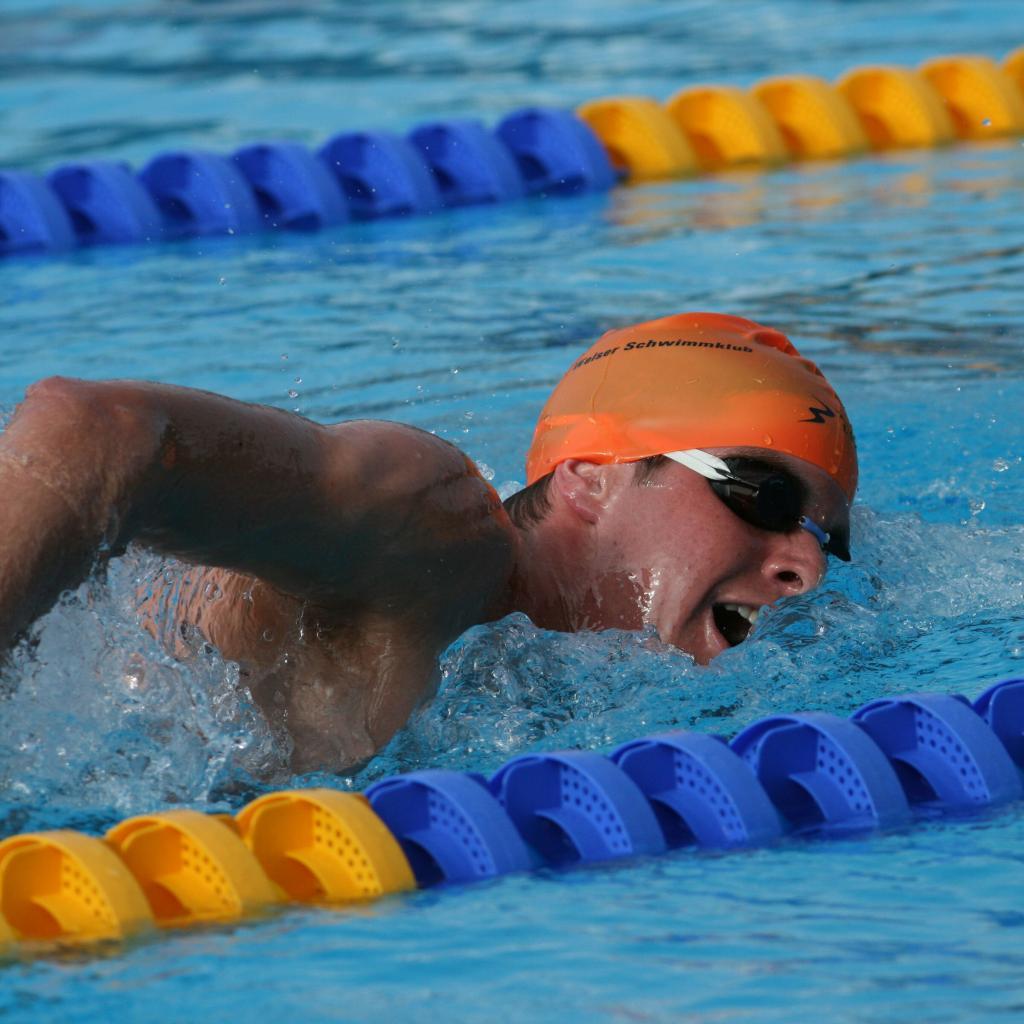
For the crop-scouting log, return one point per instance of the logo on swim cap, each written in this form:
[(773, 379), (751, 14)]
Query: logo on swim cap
[(694, 380)]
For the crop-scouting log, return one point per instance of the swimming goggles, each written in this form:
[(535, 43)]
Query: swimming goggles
[(762, 495)]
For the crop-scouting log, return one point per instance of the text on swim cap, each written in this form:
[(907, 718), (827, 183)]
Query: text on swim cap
[(635, 346)]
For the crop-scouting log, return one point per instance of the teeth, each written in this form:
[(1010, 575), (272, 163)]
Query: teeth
[(747, 611)]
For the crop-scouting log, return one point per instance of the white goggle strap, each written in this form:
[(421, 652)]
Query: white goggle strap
[(709, 466)]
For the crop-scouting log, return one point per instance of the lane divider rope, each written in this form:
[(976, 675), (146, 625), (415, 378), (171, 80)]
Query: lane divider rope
[(813, 774), (531, 152)]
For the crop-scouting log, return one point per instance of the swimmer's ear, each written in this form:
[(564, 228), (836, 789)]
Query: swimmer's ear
[(584, 487)]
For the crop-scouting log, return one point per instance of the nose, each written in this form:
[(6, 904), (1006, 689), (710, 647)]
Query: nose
[(794, 563)]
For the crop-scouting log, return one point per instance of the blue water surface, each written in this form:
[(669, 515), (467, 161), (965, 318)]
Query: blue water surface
[(900, 274)]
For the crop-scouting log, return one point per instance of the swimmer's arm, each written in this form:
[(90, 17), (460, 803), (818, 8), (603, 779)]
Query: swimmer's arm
[(345, 514)]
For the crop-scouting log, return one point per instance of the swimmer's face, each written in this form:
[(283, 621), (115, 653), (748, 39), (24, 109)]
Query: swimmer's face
[(669, 553)]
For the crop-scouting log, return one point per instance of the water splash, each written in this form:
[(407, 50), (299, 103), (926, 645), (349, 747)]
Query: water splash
[(100, 722)]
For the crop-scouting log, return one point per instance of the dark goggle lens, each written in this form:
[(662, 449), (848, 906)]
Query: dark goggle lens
[(770, 499), (769, 504)]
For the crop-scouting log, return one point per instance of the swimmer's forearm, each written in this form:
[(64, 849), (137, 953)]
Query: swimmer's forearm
[(87, 467)]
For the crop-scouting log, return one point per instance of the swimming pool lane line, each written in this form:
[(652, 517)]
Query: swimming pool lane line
[(893, 762), (370, 175)]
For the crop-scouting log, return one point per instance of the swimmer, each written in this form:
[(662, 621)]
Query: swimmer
[(684, 473)]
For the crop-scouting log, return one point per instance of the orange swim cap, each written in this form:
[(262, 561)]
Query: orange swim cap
[(694, 380)]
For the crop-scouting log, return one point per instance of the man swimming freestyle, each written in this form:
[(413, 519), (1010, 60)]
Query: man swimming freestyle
[(684, 473)]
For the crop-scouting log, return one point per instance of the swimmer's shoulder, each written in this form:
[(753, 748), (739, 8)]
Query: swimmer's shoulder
[(397, 463), (426, 510)]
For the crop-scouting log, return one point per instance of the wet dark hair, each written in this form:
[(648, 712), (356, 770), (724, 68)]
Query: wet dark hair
[(531, 505)]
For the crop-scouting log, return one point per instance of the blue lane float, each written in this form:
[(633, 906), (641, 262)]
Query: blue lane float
[(576, 807), (294, 190), (1002, 708), (200, 194), (943, 752), (811, 774), (31, 216), (106, 202), (701, 791), (449, 826), (470, 164), (556, 151), (823, 773), (381, 175), (283, 186)]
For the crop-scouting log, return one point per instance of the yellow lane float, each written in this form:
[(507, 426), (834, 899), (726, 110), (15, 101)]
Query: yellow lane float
[(321, 845), (192, 867), (981, 97), (68, 887), (640, 137), (726, 126), (1014, 67), (815, 121), (897, 107)]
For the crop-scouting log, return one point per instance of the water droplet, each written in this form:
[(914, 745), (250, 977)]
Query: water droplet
[(298, 380), (266, 636), (284, 356), (987, 122), (222, 280), (292, 393), (768, 440), (1000, 465)]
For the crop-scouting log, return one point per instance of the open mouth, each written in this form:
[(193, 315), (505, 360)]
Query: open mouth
[(734, 621)]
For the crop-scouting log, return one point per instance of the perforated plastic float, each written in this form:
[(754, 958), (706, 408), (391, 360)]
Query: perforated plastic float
[(818, 775)]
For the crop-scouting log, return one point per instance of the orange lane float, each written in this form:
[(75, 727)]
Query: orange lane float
[(815, 121), (320, 845), (1014, 67), (640, 137), (67, 887), (726, 127), (982, 99), (192, 868), (897, 107)]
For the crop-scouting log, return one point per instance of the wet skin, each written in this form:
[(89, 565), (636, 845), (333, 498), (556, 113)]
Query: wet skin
[(667, 551), (335, 563)]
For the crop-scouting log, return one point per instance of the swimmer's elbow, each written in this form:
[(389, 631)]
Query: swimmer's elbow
[(99, 439), (97, 410)]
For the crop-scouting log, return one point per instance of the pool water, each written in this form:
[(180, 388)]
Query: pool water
[(900, 275)]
